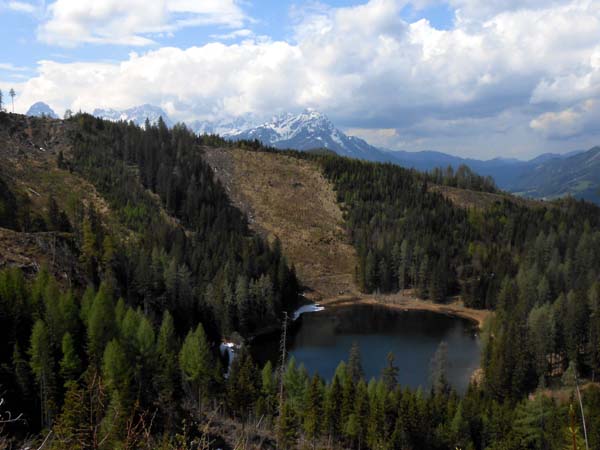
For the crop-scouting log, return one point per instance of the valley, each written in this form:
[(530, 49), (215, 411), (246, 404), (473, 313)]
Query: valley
[(288, 198), (121, 243)]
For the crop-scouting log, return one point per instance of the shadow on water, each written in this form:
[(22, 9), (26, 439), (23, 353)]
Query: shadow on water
[(321, 340)]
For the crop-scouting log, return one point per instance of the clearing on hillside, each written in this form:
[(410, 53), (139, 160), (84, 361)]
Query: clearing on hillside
[(465, 198), (288, 198)]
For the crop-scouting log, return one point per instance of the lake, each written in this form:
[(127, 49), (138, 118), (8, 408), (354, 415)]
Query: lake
[(322, 339)]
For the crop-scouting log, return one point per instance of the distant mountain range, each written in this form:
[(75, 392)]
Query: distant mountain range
[(577, 175), (137, 115), (547, 176), (310, 130), (41, 109)]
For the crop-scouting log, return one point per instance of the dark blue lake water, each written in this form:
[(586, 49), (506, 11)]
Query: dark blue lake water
[(323, 339)]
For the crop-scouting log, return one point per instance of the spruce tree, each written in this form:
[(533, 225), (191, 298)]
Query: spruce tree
[(389, 373), (166, 371), (355, 368), (313, 410)]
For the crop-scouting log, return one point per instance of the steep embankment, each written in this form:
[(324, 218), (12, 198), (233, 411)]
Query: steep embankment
[(289, 199)]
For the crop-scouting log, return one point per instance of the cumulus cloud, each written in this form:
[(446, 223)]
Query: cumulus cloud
[(129, 22), (496, 73), (583, 117)]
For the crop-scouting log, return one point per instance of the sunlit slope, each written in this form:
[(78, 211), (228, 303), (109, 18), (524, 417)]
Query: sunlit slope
[(288, 198)]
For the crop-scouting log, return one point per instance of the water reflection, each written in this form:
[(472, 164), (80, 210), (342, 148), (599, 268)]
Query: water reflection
[(323, 339)]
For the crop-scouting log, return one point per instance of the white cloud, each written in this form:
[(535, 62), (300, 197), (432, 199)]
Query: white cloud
[(23, 7), (242, 33), (132, 22), (9, 67), (487, 82), (569, 122)]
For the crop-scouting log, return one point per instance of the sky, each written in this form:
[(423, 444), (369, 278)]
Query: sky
[(475, 78)]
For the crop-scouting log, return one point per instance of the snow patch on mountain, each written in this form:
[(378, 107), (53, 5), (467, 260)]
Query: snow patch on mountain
[(310, 130), (224, 127), (137, 115)]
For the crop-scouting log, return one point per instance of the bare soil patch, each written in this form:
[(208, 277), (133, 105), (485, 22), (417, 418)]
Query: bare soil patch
[(289, 199)]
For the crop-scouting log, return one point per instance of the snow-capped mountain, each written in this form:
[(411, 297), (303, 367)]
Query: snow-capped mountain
[(224, 127), (137, 114), (311, 130), (41, 109)]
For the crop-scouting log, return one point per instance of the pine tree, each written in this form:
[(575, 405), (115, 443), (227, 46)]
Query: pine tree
[(88, 248), (70, 430), (70, 364), (22, 371), (438, 367), (332, 410), (101, 324), (389, 373), (53, 214), (355, 369), (42, 367), (268, 389), (242, 384), (313, 410), (116, 369), (287, 434), (166, 372), (594, 329), (116, 372), (12, 94), (195, 362)]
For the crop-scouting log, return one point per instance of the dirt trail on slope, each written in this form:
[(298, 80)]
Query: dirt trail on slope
[(289, 198)]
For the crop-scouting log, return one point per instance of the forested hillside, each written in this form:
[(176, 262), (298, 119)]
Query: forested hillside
[(124, 352), (538, 266)]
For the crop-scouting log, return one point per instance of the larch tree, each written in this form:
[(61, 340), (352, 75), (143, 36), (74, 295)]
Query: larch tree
[(195, 362), (70, 364), (42, 366)]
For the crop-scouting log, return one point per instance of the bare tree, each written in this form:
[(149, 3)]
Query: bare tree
[(12, 94)]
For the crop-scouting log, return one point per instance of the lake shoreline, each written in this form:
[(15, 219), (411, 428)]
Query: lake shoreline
[(408, 303)]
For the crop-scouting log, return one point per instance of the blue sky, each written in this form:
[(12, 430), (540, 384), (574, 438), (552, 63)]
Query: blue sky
[(273, 18), (509, 78)]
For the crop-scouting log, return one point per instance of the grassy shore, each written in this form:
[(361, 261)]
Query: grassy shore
[(407, 302)]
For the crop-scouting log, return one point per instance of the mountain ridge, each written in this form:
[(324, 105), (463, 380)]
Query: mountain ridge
[(41, 109), (311, 130)]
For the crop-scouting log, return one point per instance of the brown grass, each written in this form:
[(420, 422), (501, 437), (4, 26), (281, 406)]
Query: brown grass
[(408, 302), (465, 198), (290, 199)]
